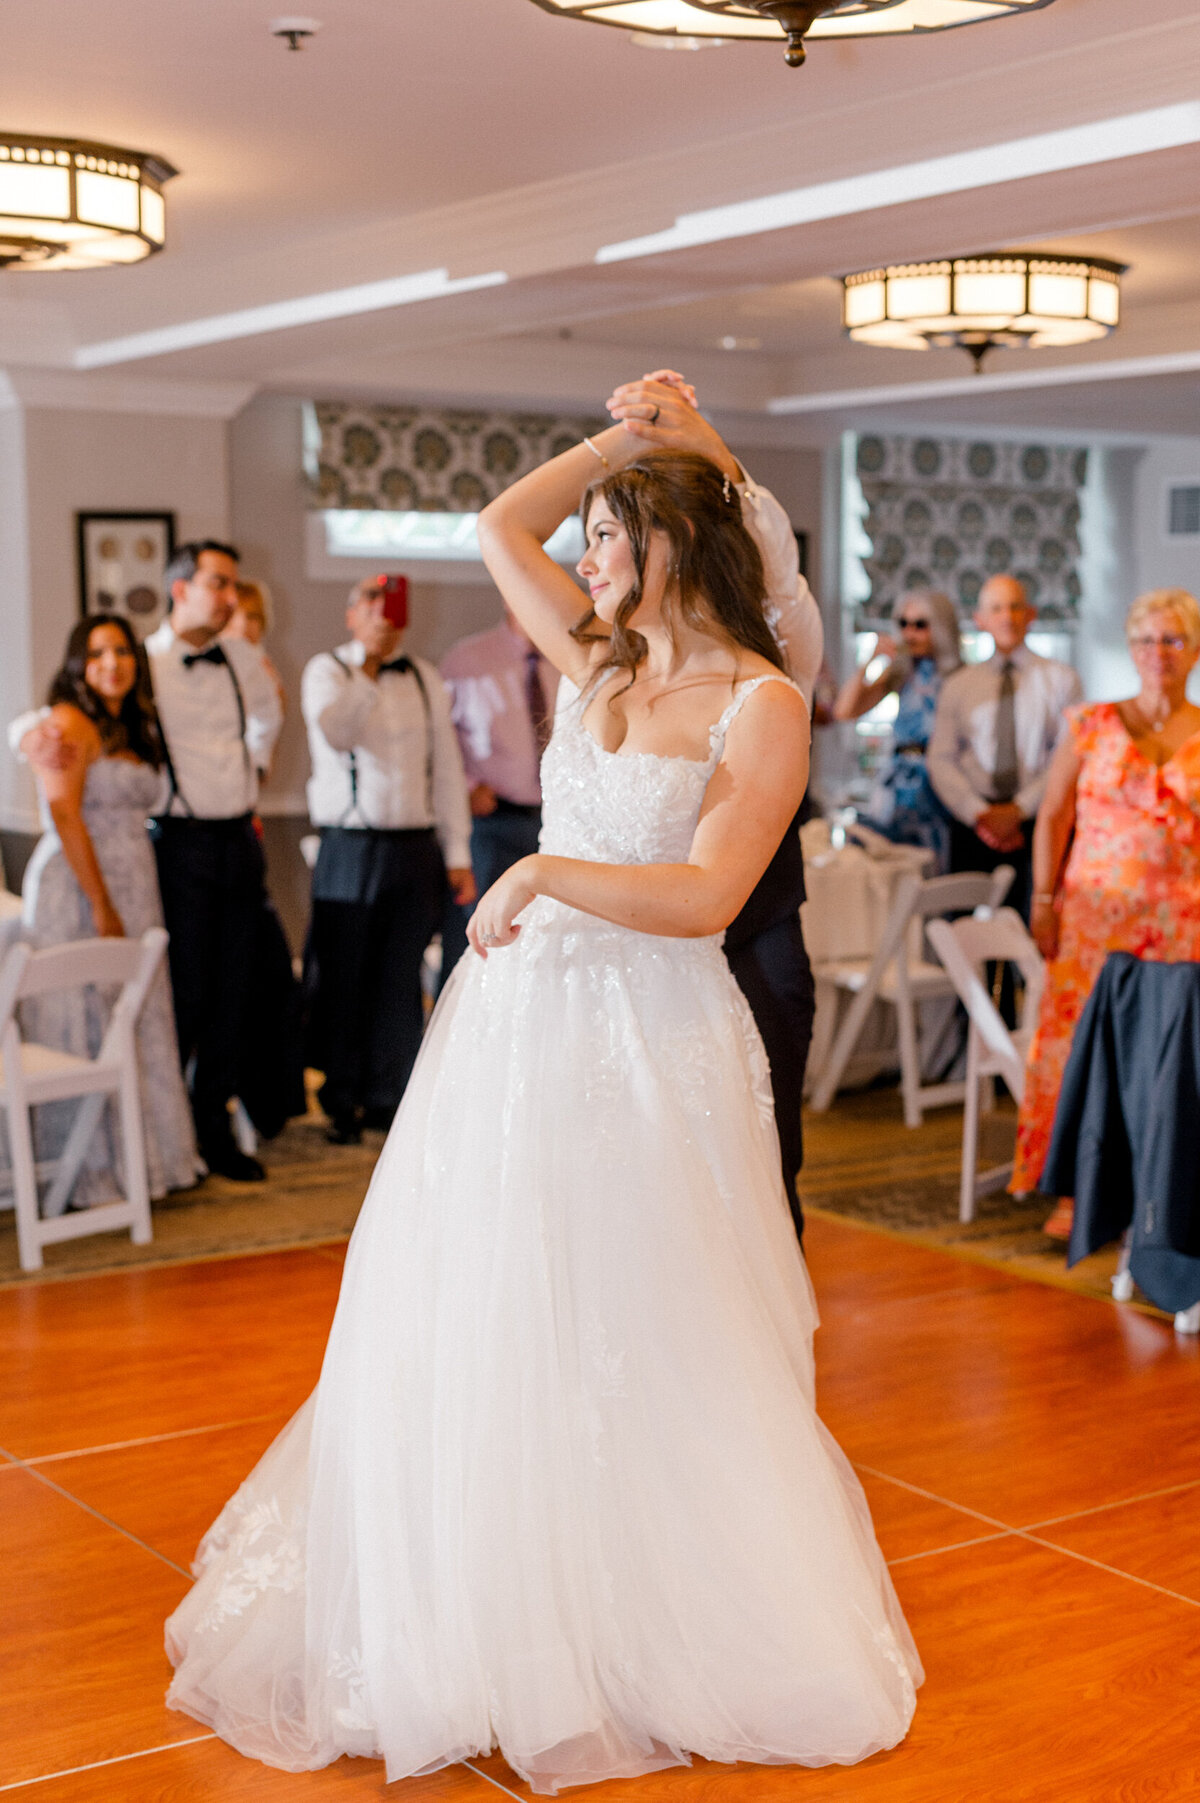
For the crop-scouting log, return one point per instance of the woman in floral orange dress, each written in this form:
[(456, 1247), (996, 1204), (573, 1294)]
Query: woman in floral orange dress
[(1116, 852)]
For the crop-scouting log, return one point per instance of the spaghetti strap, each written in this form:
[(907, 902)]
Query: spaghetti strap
[(719, 729)]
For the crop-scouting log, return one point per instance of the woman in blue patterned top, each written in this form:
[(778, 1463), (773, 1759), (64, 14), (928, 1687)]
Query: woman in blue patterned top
[(903, 805)]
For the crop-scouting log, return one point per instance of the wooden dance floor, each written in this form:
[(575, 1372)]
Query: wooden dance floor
[(1032, 1458)]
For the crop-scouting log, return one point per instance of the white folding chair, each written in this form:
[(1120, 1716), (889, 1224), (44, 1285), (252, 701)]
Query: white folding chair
[(966, 948), (31, 1073), (900, 975)]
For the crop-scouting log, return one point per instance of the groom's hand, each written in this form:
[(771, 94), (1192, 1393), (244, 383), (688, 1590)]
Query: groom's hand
[(660, 409)]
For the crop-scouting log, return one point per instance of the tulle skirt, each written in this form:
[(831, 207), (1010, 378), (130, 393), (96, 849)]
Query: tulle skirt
[(562, 1488)]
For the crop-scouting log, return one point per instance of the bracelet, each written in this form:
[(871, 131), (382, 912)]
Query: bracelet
[(597, 453)]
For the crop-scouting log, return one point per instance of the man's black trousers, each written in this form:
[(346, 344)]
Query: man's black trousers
[(377, 902), (210, 873), (764, 948), (773, 972)]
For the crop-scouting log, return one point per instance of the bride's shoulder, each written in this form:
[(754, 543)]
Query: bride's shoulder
[(765, 686), (767, 707)]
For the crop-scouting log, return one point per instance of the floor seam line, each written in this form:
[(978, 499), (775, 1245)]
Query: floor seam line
[(1030, 1533), (1124, 1502), (99, 1764), (181, 1433), (1113, 1570), (991, 1521), (490, 1780), (40, 1477), (957, 1546)]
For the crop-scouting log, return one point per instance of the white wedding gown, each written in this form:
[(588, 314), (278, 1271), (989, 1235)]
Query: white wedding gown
[(562, 1487)]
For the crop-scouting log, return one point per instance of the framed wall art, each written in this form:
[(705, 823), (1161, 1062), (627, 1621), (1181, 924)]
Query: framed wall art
[(122, 557)]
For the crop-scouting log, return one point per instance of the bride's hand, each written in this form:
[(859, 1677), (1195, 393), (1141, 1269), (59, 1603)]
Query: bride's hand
[(658, 410), (673, 379), (493, 923)]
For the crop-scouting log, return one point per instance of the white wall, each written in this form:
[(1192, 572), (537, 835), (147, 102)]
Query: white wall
[(1127, 551), (16, 620), (1109, 546), (57, 461), (1164, 562)]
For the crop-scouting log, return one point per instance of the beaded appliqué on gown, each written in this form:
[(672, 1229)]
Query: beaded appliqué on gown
[(562, 1487)]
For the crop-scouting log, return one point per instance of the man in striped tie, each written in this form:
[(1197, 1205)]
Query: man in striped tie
[(997, 725)]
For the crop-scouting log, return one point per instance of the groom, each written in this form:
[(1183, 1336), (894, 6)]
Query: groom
[(764, 946)]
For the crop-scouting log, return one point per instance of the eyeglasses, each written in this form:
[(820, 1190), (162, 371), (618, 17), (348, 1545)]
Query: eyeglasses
[(913, 625), (1170, 641)]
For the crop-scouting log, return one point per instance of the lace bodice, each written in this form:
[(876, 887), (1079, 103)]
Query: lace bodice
[(617, 807)]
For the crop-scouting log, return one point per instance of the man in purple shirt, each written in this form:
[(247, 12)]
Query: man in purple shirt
[(502, 696)]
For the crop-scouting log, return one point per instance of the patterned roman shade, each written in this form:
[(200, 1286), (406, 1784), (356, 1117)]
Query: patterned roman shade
[(425, 459), (947, 513)]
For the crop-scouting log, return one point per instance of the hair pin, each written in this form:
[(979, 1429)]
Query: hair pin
[(728, 491)]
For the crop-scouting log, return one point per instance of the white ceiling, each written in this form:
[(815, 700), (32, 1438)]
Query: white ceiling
[(484, 136)]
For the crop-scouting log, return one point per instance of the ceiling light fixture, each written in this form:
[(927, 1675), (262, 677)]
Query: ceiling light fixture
[(792, 20), (978, 304), (66, 203)]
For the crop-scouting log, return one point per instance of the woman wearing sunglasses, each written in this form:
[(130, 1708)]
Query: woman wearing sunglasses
[(1116, 852), (903, 805)]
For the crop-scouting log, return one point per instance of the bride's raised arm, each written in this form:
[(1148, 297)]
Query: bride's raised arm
[(652, 415), (514, 527)]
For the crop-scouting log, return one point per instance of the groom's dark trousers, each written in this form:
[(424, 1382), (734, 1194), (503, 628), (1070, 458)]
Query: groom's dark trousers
[(765, 950)]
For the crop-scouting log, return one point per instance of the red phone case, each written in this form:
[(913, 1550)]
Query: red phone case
[(395, 600)]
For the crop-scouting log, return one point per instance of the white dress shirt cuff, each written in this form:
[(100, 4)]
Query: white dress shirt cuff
[(24, 723)]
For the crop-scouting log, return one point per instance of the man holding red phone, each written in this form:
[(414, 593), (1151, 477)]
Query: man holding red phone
[(389, 797)]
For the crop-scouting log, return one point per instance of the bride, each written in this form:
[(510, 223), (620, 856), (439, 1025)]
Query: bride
[(562, 1488)]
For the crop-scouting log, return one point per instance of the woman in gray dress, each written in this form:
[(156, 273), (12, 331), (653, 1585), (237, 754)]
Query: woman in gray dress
[(93, 875)]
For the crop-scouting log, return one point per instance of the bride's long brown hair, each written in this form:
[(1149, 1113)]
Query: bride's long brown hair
[(713, 561)]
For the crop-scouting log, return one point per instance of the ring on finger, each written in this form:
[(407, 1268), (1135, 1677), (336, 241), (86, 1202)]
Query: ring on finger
[(653, 420)]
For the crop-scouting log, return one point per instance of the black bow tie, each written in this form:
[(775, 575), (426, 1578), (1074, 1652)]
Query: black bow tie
[(401, 665), (214, 655)]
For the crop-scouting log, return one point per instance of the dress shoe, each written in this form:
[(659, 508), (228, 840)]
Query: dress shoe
[(224, 1160)]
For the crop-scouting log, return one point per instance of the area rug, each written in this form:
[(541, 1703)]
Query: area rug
[(312, 1196), (863, 1165)]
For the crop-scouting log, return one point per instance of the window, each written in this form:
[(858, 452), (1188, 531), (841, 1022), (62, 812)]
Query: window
[(426, 537)]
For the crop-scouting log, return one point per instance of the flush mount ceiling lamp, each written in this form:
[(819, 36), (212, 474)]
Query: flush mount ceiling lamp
[(978, 304), (68, 203), (791, 20)]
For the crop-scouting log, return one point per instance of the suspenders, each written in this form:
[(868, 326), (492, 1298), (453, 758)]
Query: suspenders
[(352, 755), (176, 792)]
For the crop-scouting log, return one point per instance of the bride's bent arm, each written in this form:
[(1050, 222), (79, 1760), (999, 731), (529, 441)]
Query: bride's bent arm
[(514, 527), (750, 801)]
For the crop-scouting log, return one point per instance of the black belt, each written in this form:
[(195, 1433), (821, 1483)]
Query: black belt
[(379, 832), (915, 751), (528, 808), (197, 822)]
